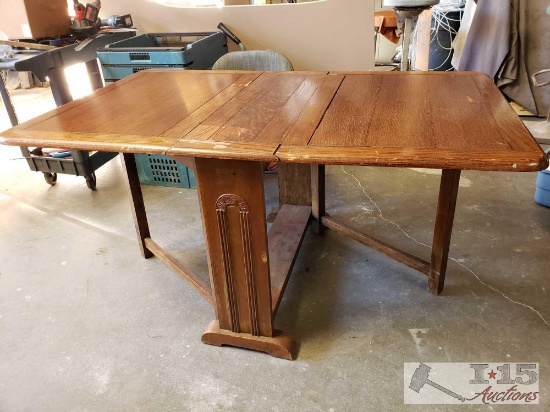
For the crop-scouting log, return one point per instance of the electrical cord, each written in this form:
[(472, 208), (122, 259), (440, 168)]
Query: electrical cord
[(441, 22)]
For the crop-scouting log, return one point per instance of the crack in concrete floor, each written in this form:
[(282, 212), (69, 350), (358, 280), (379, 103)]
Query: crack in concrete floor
[(381, 216)]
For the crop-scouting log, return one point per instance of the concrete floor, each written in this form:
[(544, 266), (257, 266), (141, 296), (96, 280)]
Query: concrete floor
[(86, 324)]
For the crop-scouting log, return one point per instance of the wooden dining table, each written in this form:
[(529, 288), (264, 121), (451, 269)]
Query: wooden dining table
[(224, 124)]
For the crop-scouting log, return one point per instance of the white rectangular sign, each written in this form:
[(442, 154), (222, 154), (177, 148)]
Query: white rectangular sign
[(487, 383)]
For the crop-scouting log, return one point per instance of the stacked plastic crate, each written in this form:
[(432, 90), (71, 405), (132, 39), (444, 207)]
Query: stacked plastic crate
[(162, 51)]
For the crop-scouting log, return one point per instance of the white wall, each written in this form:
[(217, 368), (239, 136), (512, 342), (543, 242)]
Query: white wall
[(321, 35)]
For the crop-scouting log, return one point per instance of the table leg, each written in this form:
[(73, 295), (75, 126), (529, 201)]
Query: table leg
[(138, 206), (232, 205), (448, 191), (294, 184), (318, 195)]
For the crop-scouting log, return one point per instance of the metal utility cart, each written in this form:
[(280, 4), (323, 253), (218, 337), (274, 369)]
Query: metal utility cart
[(51, 64)]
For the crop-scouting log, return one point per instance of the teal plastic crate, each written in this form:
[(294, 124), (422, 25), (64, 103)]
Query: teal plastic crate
[(113, 73), (161, 51), (192, 50), (158, 170)]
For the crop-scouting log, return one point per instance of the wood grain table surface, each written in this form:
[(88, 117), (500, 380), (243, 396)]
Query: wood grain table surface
[(414, 119), (224, 124)]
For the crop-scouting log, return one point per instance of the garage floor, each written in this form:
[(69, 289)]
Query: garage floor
[(87, 324)]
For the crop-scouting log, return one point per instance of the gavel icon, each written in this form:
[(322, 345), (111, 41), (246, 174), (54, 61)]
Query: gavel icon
[(420, 378)]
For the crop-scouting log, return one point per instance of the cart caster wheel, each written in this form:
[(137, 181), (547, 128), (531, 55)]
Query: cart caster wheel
[(91, 181), (50, 178)]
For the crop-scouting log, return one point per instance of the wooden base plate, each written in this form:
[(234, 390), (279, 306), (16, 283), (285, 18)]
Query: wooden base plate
[(280, 345)]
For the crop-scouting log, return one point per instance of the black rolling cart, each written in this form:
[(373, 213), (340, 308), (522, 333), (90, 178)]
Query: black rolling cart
[(50, 65)]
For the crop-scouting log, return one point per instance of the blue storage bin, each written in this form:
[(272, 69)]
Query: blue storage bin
[(542, 197), (542, 191)]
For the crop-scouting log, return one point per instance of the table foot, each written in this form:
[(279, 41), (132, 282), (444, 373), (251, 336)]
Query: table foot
[(280, 345)]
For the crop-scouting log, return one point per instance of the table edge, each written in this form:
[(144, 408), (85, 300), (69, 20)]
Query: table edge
[(519, 161)]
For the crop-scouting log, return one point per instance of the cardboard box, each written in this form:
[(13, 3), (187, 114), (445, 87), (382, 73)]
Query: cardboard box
[(33, 19)]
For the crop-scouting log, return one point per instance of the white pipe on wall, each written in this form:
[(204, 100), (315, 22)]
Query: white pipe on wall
[(320, 35)]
